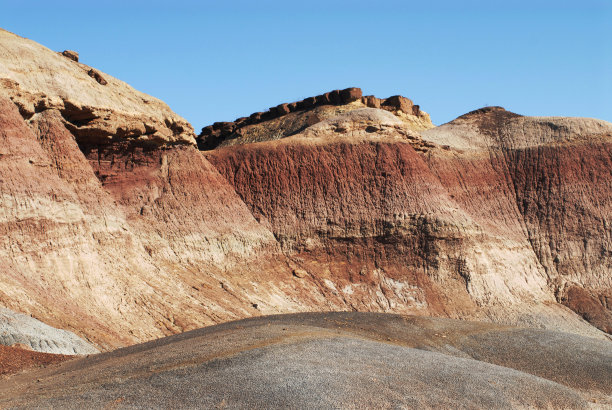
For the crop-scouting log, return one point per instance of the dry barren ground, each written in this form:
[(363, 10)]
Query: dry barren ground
[(335, 360)]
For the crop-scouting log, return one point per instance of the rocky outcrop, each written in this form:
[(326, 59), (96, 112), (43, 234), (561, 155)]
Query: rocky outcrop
[(212, 135), (289, 119), (97, 76), (95, 106)]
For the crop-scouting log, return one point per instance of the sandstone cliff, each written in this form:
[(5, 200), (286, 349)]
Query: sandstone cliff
[(114, 225)]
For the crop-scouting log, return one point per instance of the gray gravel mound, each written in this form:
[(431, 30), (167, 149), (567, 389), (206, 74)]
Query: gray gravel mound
[(22, 329), (332, 373)]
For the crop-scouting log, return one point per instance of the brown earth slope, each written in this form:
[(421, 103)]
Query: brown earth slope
[(14, 359)]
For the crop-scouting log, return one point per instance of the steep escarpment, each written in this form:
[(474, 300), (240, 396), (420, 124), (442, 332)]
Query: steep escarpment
[(123, 238), (448, 222)]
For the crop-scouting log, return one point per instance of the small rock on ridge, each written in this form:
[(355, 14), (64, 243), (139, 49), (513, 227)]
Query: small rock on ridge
[(73, 55), (399, 103), (371, 101), (350, 94), (97, 76)]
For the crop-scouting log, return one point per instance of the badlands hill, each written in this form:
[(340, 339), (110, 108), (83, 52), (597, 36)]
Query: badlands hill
[(119, 224), (493, 216)]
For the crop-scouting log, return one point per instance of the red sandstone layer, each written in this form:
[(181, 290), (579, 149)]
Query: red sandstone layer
[(464, 228)]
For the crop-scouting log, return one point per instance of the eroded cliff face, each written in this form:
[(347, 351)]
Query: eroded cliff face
[(123, 243), (115, 226), (69, 258), (500, 224), (122, 239), (559, 172)]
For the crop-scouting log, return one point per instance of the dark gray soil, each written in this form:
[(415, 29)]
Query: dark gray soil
[(331, 360)]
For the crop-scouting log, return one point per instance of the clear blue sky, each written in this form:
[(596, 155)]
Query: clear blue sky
[(219, 60)]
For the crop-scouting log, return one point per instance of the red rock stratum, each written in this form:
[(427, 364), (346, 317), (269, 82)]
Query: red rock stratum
[(493, 216)]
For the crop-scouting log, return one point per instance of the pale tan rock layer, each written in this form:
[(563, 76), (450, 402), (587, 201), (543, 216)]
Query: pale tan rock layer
[(94, 105), (286, 120)]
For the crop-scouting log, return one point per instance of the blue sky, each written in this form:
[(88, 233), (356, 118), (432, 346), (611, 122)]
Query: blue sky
[(216, 61)]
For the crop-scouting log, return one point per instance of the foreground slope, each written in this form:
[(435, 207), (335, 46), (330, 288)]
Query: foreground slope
[(333, 360)]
